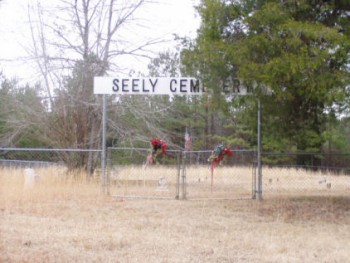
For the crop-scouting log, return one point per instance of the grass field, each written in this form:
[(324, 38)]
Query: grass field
[(228, 182), (65, 218)]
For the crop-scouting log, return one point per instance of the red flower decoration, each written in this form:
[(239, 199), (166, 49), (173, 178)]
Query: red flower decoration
[(164, 146), (158, 144), (216, 157), (219, 153), (227, 151)]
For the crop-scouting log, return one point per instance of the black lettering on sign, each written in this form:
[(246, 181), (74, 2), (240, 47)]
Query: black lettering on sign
[(144, 86), (231, 86), (236, 84), (135, 85), (153, 84), (225, 87), (125, 85), (249, 89), (194, 85), (183, 83), (173, 88), (150, 85), (115, 87)]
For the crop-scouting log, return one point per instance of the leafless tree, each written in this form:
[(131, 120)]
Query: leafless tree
[(72, 42)]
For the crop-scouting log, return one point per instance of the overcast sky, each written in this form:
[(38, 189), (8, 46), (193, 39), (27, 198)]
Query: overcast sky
[(165, 19)]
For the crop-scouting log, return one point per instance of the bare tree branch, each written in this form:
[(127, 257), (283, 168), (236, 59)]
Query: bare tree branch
[(40, 51)]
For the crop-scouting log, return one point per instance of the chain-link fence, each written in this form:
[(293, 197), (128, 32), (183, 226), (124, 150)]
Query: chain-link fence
[(69, 159), (129, 175), (305, 174), (189, 175), (180, 175), (234, 178)]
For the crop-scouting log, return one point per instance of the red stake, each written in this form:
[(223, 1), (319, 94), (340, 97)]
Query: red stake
[(214, 163)]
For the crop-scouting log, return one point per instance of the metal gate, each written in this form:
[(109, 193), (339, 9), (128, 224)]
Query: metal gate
[(180, 175), (233, 179), (130, 177)]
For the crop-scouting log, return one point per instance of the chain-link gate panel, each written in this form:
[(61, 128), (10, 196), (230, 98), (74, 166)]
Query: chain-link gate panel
[(232, 179), (131, 177)]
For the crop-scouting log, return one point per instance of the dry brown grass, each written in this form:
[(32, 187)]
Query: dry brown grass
[(229, 182), (67, 219)]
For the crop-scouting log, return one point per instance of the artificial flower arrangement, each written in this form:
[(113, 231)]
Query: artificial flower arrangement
[(216, 157), (219, 154), (159, 147)]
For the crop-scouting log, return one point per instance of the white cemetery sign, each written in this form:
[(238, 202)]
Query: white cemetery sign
[(147, 86), (161, 86)]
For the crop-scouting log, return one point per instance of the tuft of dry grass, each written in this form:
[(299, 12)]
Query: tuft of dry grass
[(65, 218)]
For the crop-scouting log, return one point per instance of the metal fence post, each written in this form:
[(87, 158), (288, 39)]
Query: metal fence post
[(184, 175), (108, 170), (178, 154), (259, 152), (103, 155), (254, 168)]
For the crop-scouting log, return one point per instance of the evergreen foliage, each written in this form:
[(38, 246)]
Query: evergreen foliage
[(295, 54)]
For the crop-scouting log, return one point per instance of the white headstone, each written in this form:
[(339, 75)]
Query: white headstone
[(162, 184), (30, 178)]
